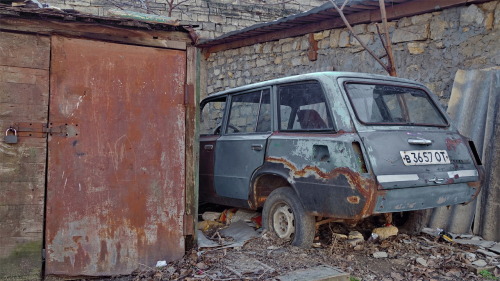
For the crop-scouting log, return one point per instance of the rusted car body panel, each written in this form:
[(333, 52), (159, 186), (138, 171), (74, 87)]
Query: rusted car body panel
[(116, 178), (353, 170)]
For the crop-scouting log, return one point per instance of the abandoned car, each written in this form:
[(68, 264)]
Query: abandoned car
[(332, 145)]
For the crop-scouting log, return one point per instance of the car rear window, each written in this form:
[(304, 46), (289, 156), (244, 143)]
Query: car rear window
[(303, 107), (389, 104)]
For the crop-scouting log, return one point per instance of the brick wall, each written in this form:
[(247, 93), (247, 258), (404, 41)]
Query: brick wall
[(429, 48)]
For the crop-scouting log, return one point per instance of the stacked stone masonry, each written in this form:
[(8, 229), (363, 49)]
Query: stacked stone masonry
[(213, 17), (428, 48)]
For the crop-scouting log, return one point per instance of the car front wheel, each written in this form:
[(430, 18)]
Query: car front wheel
[(284, 215)]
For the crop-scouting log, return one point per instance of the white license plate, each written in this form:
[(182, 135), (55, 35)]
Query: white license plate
[(424, 157)]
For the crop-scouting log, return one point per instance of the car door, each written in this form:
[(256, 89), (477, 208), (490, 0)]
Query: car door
[(211, 117), (242, 146)]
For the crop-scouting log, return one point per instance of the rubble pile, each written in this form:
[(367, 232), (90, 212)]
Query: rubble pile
[(363, 251)]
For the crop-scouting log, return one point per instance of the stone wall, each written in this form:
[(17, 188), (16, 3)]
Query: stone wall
[(214, 17), (429, 48)]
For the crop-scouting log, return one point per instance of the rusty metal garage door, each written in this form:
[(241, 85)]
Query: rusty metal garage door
[(115, 189)]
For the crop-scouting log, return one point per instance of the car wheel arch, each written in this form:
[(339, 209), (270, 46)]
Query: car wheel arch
[(264, 182)]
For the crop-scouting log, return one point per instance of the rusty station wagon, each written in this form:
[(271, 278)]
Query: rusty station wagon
[(332, 145)]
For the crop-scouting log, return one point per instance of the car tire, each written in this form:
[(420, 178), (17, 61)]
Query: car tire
[(284, 215)]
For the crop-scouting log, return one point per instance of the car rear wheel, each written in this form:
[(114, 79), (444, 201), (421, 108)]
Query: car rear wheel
[(284, 215)]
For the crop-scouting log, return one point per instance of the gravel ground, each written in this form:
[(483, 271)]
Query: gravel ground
[(421, 257)]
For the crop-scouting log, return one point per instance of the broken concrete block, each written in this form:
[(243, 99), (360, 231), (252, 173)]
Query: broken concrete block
[(487, 253), (379, 255), (495, 248), (480, 263), (385, 232), (481, 243), (421, 261)]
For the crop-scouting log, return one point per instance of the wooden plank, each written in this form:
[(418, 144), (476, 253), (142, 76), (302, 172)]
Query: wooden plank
[(13, 171), (23, 50), (24, 93), (191, 101), (22, 193), (13, 214), (152, 38)]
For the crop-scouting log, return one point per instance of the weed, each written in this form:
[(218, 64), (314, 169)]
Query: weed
[(486, 274)]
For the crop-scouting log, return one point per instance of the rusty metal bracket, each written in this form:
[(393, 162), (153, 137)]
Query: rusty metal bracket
[(41, 130)]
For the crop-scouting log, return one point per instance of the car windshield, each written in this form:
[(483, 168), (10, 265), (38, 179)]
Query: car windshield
[(388, 104)]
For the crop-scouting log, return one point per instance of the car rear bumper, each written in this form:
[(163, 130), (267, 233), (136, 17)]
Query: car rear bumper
[(425, 197)]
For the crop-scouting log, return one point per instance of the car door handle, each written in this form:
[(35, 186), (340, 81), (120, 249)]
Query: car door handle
[(437, 180), (420, 141), (257, 147), (208, 147)]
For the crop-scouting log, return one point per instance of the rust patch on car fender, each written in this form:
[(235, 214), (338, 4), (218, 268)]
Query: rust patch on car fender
[(367, 187), (451, 144), (353, 199)]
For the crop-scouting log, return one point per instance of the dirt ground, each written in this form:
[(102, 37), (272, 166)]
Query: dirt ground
[(420, 257)]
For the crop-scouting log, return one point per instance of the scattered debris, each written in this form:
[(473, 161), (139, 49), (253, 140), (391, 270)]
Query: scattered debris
[(322, 272), (355, 237), (421, 261), (480, 243), (378, 255), (240, 232), (245, 266), (238, 252), (211, 216), (385, 232), (161, 263)]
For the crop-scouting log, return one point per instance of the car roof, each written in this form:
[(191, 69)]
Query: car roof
[(312, 76)]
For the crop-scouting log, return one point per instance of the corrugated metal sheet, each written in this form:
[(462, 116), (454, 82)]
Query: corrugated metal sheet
[(74, 16), (475, 109)]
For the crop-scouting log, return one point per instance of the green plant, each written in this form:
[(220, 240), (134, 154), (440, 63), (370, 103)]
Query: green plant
[(354, 279), (488, 275)]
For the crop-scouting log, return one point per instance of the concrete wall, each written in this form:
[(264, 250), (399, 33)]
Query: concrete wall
[(429, 48), (214, 17)]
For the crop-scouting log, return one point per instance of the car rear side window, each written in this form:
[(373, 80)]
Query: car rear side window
[(250, 113), (212, 114), (388, 104), (303, 107)]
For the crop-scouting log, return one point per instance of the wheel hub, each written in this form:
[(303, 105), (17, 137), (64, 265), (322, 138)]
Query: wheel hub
[(283, 222)]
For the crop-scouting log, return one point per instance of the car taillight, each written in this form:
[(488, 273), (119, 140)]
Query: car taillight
[(474, 152)]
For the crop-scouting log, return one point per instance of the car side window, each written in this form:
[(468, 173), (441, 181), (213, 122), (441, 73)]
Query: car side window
[(212, 114), (250, 113), (303, 107)]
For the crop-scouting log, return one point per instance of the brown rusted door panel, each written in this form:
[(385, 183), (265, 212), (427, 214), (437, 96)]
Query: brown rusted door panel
[(116, 186)]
